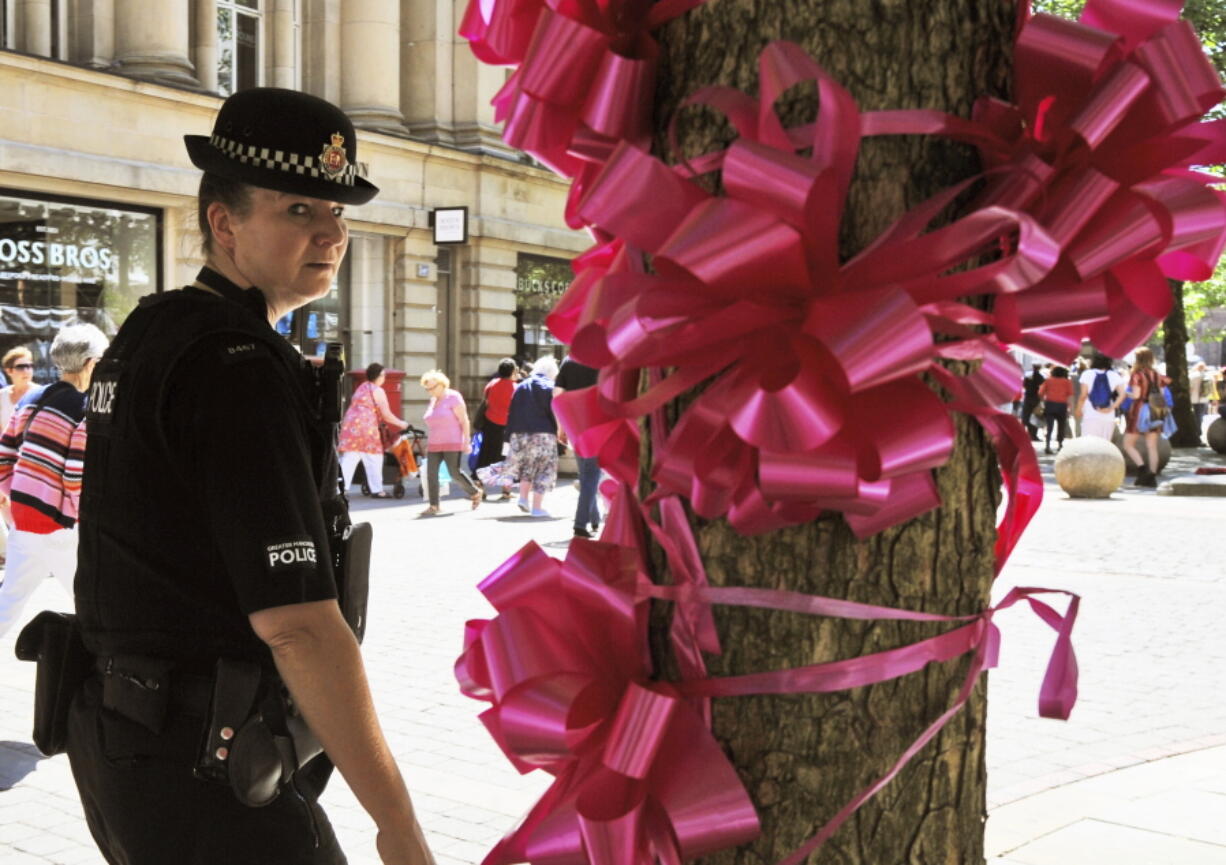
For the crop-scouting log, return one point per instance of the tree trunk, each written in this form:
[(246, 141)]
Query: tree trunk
[(1174, 347), (803, 757)]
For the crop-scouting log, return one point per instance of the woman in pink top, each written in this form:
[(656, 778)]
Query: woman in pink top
[(359, 438), (447, 424)]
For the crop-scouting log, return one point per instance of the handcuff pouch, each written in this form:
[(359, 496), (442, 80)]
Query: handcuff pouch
[(53, 640)]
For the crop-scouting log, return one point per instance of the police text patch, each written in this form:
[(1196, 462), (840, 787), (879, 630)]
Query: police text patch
[(290, 555)]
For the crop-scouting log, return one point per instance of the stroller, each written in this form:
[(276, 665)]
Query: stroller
[(402, 461)]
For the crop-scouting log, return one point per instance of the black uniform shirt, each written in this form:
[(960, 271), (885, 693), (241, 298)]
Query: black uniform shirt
[(205, 487)]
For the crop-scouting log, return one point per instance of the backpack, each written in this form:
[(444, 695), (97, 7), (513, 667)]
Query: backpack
[(1100, 391), (1156, 400)]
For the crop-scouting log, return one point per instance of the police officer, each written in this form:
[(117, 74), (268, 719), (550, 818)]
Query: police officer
[(212, 532)]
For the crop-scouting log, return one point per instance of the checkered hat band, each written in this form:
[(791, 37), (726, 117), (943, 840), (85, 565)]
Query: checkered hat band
[(280, 160)]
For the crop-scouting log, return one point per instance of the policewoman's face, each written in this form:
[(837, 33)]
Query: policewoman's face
[(290, 246)]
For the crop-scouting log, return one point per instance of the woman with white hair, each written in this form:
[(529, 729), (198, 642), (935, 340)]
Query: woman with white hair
[(41, 455), (449, 435), (534, 436)]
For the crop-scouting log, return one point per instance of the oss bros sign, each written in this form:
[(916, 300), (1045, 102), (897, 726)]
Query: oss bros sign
[(49, 253)]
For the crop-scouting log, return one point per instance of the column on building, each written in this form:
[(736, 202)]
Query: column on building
[(416, 343), (427, 42), (284, 57), (94, 35), (206, 44), (151, 41), (367, 301), (474, 85), (35, 26), (370, 64), (321, 49), (487, 308)]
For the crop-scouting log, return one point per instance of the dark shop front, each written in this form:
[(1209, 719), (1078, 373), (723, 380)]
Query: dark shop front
[(65, 258)]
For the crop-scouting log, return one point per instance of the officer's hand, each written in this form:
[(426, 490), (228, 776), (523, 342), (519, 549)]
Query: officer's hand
[(404, 848)]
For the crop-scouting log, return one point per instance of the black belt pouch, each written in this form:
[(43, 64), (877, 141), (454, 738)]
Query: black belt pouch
[(53, 640)]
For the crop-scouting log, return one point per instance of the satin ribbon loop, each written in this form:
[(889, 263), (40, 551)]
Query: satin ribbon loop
[(638, 730)]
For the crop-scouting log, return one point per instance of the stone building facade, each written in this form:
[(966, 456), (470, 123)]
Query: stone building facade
[(97, 196)]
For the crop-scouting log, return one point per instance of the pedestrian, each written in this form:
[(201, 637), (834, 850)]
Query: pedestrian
[(448, 436), (534, 436), (360, 439), (497, 402), (1144, 419), (1030, 399), (214, 538), (1200, 383), (18, 365), (1102, 389), (40, 473), (1055, 393), (576, 376)]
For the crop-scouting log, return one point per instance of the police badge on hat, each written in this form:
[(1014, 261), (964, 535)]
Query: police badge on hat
[(333, 160), (270, 137)]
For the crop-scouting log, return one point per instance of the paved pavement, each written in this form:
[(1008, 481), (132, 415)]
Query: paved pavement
[(1134, 777)]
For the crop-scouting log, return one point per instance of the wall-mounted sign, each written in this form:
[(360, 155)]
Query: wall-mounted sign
[(450, 224)]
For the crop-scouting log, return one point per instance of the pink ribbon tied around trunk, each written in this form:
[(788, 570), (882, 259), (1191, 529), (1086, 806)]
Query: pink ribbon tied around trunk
[(813, 361), (638, 775), (1100, 148)]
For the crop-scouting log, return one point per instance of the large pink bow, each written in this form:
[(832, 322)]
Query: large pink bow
[(1100, 149), (638, 774), (810, 363)]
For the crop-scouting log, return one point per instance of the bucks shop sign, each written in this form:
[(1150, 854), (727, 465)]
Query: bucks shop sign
[(69, 258)]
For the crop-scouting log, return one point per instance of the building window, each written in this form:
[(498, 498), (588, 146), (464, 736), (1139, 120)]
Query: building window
[(539, 282), (238, 45), (65, 258)]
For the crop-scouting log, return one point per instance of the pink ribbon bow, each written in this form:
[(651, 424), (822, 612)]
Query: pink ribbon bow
[(813, 361), (638, 774), (585, 80), (1099, 148)]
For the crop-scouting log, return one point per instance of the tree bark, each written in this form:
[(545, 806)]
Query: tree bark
[(803, 757), (1174, 349)]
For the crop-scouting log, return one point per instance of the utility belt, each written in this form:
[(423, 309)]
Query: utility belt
[(254, 738)]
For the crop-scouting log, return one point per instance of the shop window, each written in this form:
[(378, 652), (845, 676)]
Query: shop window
[(238, 45), (539, 282), (64, 258)]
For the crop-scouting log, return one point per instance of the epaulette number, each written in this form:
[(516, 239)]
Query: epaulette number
[(238, 352)]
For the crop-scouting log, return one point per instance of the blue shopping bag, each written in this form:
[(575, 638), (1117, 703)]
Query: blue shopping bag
[(475, 453)]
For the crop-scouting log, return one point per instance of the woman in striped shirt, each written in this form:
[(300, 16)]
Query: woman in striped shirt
[(41, 456)]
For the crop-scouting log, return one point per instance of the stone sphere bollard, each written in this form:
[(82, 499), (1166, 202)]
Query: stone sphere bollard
[(1164, 451), (1216, 435), (1089, 468)]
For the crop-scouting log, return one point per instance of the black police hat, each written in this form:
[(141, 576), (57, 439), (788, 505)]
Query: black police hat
[(287, 141)]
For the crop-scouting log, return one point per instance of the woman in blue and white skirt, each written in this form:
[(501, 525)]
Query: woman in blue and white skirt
[(533, 435)]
